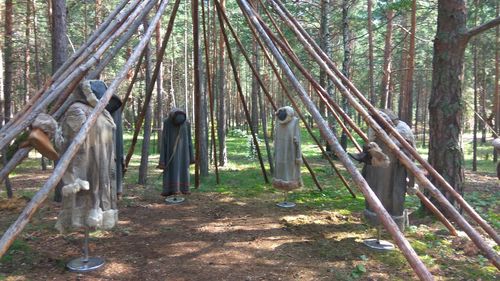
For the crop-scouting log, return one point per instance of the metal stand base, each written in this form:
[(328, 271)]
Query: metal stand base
[(286, 204), (175, 200), (379, 245), (81, 265), (85, 263)]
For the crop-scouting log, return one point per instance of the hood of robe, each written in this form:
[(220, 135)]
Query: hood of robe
[(290, 113), (91, 91)]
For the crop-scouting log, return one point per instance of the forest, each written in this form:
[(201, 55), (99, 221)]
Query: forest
[(230, 66)]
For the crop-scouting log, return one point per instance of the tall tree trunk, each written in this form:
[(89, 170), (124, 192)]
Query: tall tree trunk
[(59, 30), (475, 71), (346, 64), (386, 75), (496, 109), (27, 53), (38, 74), (7, 79), (445, 106), (143, 168), (255, 90), (221, 93), (159, 89), (406, 106), (371, 81)]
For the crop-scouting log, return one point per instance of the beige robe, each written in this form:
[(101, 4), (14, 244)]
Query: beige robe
[(287, 153), (89, 192)]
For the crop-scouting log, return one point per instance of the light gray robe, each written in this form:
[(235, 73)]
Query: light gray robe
[(287, 152)]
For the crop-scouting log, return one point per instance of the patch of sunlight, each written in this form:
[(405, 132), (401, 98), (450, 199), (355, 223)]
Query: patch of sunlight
[(14, 278), (221, 227), (124, 222), (101, 234), (183, 248), (303, 219), (117, 269)]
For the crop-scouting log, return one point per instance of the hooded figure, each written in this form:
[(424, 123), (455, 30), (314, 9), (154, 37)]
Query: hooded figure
[(389, 182), (287, 153), (89, 191), (114, 105), (176, 153)]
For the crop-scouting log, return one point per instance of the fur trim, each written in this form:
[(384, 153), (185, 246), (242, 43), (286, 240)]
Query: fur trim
[(290, 113), (109, 218), (88, 93), (286, 185), (46, 123), (378, 157), (75, 187), (496, 144), (94, 218)]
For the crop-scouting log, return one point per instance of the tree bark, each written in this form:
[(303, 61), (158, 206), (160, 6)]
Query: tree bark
[(496, 109), (59, 30), (221, 93), (159, 88), (6, 96), (386, 75), (445, 106), (406, 105), (143, 167), (346, 64), (371, 81)]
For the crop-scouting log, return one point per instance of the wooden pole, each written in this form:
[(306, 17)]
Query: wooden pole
[(405, 160), (196, 90), (240, 92), (294, 104), (149, 91), (370, 196), (15, 229), (210, 95), (56, 88), (132, 82)]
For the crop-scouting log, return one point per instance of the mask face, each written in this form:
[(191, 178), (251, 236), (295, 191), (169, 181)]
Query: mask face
[(281, 114), (179, 118)]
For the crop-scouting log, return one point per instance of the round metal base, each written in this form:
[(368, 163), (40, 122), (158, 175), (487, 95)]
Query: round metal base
[(380, 245), (286, 204), (79, 265), (175, 200)]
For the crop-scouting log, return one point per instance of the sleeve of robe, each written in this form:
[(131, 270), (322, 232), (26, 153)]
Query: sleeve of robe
[(74, 119), (164, 145), (191, 154), (296, 140)]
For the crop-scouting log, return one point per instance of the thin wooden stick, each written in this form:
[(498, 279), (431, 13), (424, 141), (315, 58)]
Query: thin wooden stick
[(240, 92), (404, 159), (149, 91), (210, 96), (197, 90), (370, 196), (132, 82), (15, 229)]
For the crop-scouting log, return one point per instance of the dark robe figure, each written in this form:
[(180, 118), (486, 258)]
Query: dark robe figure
[(389, 181), (176, 153), (89, 188), (287, 153)]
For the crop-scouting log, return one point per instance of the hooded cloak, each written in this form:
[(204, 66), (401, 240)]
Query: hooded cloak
[(176, 154), (287, 153)]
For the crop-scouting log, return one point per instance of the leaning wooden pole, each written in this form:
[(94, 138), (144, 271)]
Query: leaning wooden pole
[(65, 66), (15, 229), (403, 158), (132, 82), (327, 133), (57, 87), (209, 90), (240, 92), (266, 92), (149, 90), (197, 90)]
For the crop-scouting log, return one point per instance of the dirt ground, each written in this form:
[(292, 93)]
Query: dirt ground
[(209, 237)]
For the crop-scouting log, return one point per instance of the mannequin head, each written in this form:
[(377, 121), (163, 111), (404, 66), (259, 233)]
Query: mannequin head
[(281, 114), (179, 118)]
